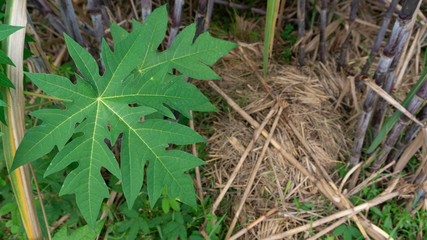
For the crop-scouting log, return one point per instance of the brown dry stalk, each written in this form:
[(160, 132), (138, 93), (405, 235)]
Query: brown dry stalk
[(253, 224), (260, 78), (253, 175), (197, 169), (329, 228), (409, 152), (336, 198), (370, 83), (346, 213), (368, 182)]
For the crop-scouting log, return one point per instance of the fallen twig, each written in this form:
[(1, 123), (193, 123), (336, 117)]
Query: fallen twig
[(348, 213), (253, 175)]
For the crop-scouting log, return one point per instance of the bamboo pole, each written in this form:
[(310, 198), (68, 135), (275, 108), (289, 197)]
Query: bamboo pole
[(394, 46), (15, 118), (353, 13), (146, 6), (382, 105), (301, 30), (200, 18), (400, 125), (322, 42), (176, 21), (380, 37), (209, 15)]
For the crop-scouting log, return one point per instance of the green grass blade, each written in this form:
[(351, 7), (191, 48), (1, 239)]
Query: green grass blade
[(272, 7), (389, 123)]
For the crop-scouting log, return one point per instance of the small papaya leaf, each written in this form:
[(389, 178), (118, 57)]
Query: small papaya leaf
[(137, 82)]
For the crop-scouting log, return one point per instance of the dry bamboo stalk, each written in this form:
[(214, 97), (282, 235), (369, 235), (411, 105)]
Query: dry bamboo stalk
[(322, 43), (110, 201), (394, 46), (41, 202), (349, 24), (409, 152), (260, 78), (381, 33), (336, 198), (328, 229), (409, 136), (176, 21), (253, 175), (146, 6), (249, 148), (346, 213), (257, 221), (301, 30), (416, 44), (197, 169), (347, 176), (401, 124), (368, 182)]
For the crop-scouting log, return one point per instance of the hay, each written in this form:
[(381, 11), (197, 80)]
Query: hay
[(311, 110)]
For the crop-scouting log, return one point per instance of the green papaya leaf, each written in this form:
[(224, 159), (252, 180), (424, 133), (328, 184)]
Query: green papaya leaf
[(137, 82)]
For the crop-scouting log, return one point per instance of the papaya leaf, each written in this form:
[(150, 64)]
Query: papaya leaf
[(137, 82)]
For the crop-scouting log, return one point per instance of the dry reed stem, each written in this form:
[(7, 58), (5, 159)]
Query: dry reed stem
[(347, 176), (356, 175), (253, 174), (349, 212), (329, 228), (260, 129), (58, 223), (250, 64), (409, 152), (257, 221), (370, 83), (113, 195), (336, 198), (415, 43), (41, 201), (197, 169), (368, 182)]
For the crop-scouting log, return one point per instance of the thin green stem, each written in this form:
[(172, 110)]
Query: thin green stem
[(46, 97)]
